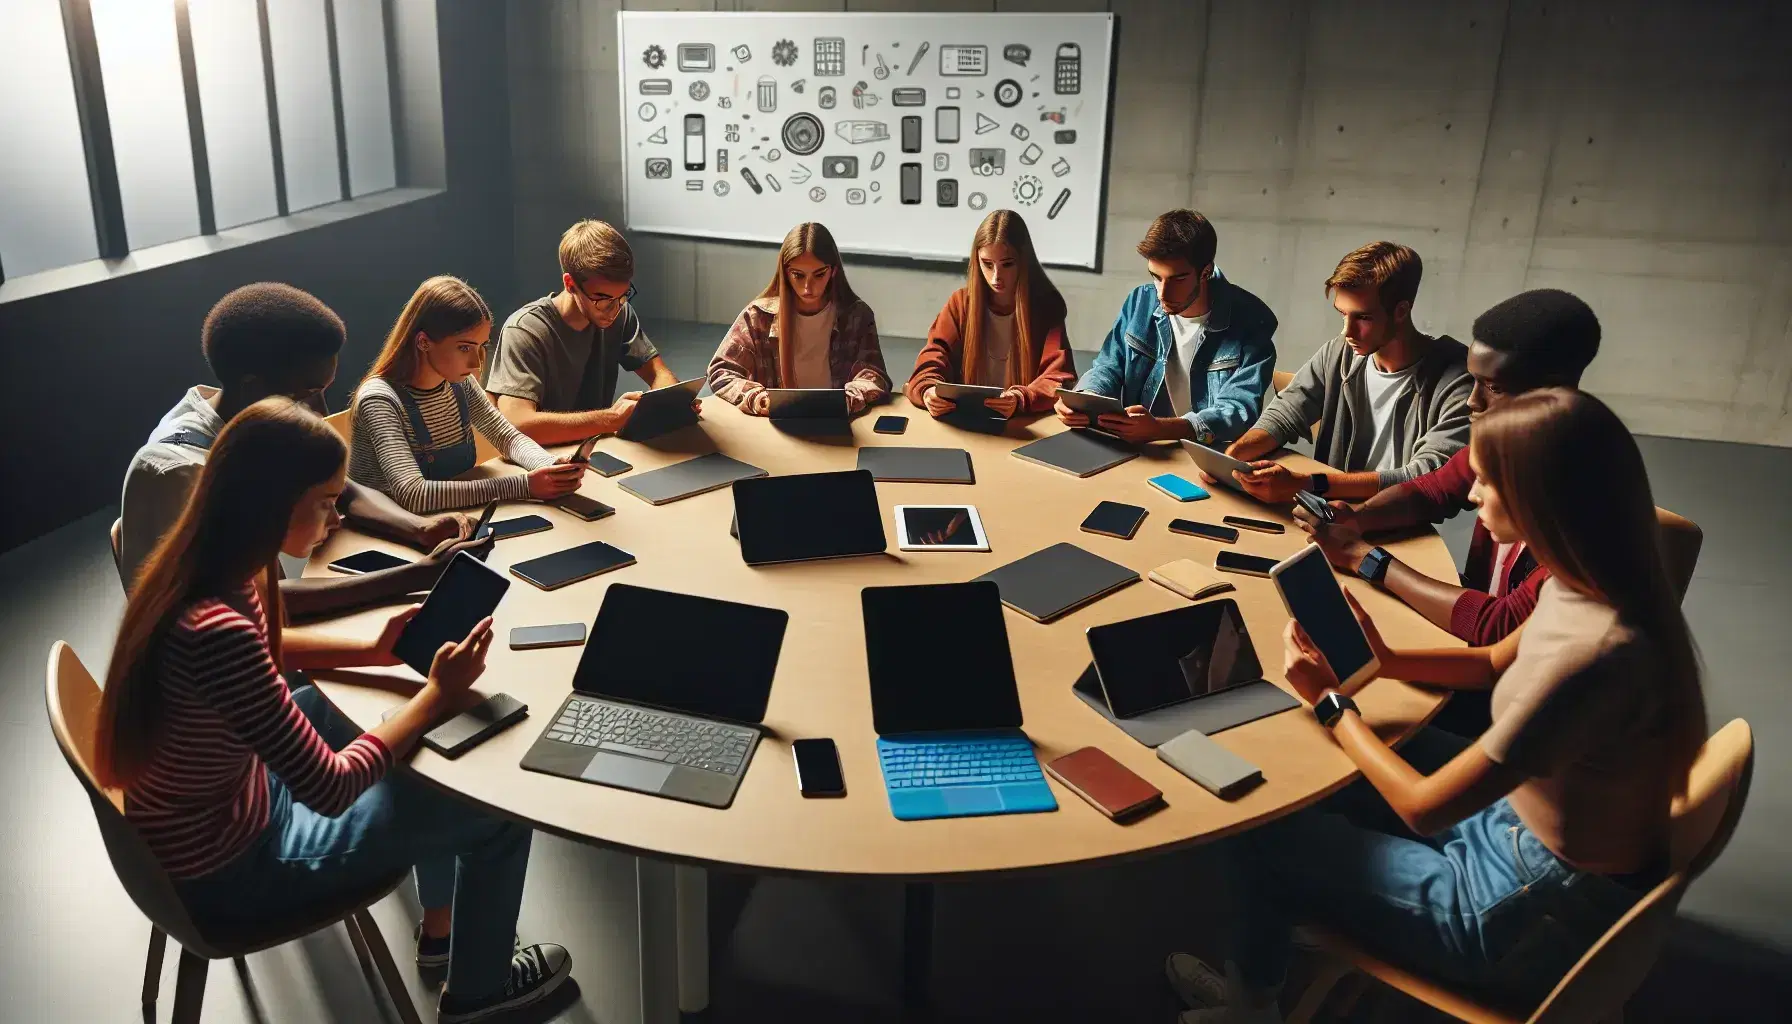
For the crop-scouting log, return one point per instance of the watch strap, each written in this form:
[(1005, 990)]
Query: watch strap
[(1320, 484), (1374, 566), (1331, 708)]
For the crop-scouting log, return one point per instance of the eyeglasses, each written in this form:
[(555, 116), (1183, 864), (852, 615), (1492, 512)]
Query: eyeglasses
[(606, 304)]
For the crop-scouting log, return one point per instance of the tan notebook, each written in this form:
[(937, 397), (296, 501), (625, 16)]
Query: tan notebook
[(1189, 578)]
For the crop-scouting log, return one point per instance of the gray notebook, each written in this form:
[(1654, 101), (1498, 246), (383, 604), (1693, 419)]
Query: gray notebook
[(1078, 452), (1211, 713), (1058, 579), (692, 476), (918, 465)]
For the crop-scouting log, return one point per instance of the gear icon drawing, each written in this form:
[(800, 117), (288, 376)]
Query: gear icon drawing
[(1027, 190), (654, 56), (784, 53)]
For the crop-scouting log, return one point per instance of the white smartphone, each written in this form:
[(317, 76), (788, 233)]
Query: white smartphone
[(1312, 595)]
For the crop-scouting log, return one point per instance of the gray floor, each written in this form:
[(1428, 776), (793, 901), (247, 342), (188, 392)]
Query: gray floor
[(1077, 947)]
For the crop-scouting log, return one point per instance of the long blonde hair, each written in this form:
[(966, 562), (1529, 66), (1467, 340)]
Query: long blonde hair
[(1038, 306), (1573, 481), (440, 306), (231, 530), (810, 239)]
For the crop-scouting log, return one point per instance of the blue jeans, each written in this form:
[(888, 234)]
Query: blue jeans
[(461, 857), (1482, 904)]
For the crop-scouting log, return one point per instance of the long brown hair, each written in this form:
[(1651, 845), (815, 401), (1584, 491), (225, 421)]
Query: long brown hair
[(810, 239), (440, 306), (264, 461), (1038, 307), (1573, 481)]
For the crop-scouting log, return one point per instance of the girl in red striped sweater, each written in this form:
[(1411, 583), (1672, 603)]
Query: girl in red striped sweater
[(247, 807)]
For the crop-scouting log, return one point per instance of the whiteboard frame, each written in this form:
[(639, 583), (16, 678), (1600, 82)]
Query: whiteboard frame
[(878, 256)]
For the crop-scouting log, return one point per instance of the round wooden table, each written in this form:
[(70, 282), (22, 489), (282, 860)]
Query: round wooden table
[(821, 688)]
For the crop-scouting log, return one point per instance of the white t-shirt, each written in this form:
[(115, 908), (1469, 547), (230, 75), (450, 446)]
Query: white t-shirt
[(1188, 332), (809, 357), (1384, 390), (998, 343)]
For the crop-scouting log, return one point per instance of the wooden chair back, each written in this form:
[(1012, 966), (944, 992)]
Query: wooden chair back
[(1681, 540), (1704, 819), (1280, 379), (73, 701)]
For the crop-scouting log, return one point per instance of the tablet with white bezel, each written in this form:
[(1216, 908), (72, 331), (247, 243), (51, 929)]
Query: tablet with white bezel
[(940, 528)]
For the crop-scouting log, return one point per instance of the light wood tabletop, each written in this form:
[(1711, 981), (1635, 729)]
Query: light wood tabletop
[(821, 688)]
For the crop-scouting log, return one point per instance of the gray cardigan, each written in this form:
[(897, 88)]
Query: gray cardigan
[(1434, 412)]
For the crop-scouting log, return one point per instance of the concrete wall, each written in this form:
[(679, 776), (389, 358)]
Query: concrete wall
[(1638, 154)]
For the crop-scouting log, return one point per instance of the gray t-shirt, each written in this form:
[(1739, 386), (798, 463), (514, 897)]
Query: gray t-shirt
[(562, 370)]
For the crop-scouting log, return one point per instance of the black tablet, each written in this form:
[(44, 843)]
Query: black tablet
[(1157, 660), (550, 572), (467, 591)]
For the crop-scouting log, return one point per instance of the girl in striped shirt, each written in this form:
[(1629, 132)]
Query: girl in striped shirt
[(416, 412), (249, 810)]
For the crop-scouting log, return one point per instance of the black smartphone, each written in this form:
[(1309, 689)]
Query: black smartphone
[(529, 638), (605, 464), (366, 561), (1244, 565), (1319, 507), (521, 526), (1259, 525), (474, 726), (818, 768), (890, 424), (1190, 528), (551, 572), (582, 454), (1113, 519), (588, 509), (482, 527)]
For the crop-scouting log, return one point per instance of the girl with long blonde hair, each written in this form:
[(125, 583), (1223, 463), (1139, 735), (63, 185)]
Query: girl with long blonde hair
[(421, 403), (807, 329), (1003, 329)]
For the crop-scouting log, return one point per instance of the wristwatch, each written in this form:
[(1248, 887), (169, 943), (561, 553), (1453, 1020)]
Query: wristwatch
[(1321, 483), (1375, 565), (1331, 708)]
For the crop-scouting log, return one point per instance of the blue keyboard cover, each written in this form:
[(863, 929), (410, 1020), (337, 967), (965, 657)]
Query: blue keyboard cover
[(959, 774)]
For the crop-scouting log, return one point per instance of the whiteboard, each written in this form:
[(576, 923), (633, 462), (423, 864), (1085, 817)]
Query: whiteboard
[(900, 132)]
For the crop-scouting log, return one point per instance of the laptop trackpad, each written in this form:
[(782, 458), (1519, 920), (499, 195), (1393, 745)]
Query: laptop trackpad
[(626, 772), (972, 799)]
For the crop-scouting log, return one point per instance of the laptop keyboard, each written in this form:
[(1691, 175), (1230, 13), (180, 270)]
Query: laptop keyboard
[(983, 763), (670, 739)]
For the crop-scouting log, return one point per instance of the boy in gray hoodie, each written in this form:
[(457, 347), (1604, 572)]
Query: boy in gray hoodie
[(1391, 402)]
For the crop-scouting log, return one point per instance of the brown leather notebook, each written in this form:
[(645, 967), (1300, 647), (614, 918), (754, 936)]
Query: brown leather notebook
[(1111, 786)]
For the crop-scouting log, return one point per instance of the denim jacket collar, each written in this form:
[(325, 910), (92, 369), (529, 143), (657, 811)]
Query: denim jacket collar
[(1219, 315)]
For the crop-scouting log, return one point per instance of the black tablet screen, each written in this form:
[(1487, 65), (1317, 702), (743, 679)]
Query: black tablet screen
[(1111, 517), (1157, 660), (682, 652), (968, 685), (946, 525), (467, 591)]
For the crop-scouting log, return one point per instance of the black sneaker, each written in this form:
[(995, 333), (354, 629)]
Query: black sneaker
[(432, 954), (535, 972)]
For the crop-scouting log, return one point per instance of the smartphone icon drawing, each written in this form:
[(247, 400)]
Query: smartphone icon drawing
[(945, 124), (911, 184), (911, 134), (693, 142)]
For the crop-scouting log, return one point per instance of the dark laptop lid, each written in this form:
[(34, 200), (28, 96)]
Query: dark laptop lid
[(967, 682), (662, 410), (1157, 660), (683, 653), (808, 515)]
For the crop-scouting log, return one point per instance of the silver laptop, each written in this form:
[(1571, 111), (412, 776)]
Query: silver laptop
[(649, 712)]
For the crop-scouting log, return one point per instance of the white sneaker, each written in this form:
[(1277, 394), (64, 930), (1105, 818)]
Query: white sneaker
[(1199, 985)]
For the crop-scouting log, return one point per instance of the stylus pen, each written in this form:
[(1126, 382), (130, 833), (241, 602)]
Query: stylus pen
[(919, 53)]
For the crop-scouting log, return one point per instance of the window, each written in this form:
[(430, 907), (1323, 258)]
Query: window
[(126, 124), (46, 214)]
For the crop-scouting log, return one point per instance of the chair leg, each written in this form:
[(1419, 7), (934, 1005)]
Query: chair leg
[(152, 967), (1326, 974), (189, 988), (396, 989)]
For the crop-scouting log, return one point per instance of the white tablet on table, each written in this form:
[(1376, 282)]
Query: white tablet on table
[(940, 528), (1217, 464)]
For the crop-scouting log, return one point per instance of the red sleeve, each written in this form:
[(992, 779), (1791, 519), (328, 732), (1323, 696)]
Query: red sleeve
[(1057, 369), (1444, 490), (1483, 619), (238, 677), (939, 358)]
